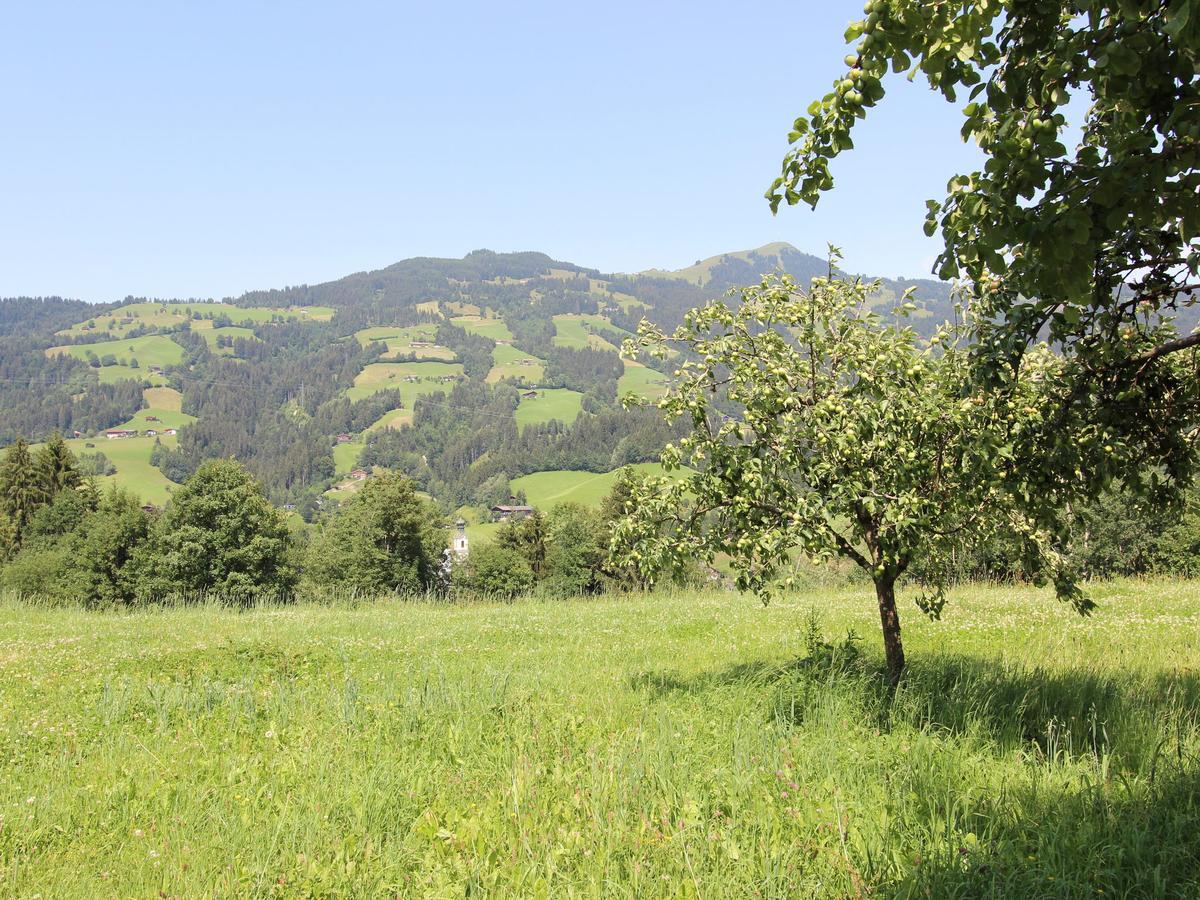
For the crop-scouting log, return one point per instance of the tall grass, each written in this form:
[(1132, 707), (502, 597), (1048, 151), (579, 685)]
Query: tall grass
[(670, 745)]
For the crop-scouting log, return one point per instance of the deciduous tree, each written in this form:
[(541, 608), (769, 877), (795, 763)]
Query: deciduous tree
[(219, 535), (1091, 245), (854, 439)]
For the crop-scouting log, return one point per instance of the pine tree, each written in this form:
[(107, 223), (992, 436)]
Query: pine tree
[(21, 490), (56, 467)]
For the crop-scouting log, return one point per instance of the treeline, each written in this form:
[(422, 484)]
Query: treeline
[(220, 538), (410, 282), (42, 394)]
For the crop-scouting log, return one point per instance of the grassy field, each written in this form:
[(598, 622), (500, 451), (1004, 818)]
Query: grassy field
[(394, 419), (148, 350), (672, 745), (166, 419), (641, 381), (573, 331), (507, 364), (399, 340), (169, 315), (390, 376), (163, 398), (131, 457), (486, 327), (550, 404), (345, 456), (547, 489), (211, 334)]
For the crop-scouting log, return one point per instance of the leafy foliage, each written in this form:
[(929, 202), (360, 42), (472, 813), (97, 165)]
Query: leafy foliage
[(219, 535), (853, 439), (387, 540), (1093, 247)]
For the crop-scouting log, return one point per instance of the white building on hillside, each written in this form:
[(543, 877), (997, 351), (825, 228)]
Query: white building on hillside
[(458, 545)]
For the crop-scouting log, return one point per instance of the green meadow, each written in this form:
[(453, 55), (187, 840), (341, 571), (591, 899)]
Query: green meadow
[(399, 339), (507, 364), (148, 350), (550, 404), (573, 331), (547, 489), (131, 457), (170, 315), (391, 376), (669, 745), (485, 327), (211, 335), (641, 381), (345, 456)]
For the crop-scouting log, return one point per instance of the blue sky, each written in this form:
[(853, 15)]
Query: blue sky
[(194, 150)]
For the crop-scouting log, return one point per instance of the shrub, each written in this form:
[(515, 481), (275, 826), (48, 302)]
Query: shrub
[(219, 535), (497, 572), (387, 539)]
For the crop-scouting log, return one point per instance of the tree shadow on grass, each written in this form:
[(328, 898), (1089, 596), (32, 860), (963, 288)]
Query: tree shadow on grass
[(1124, 819), (1130, 718)]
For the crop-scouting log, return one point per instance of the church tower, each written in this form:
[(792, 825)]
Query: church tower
[(459, 544)]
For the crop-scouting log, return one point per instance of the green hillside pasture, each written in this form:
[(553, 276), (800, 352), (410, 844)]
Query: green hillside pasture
[(397, 418), (386, 376), (668, 745), (163, 403), (551, 403), (211, 334), (486, 327), (166, 419), (547, 489), (399, 338), (169, 315), (345, 456), (164, 398), (508, 364), (572, 331), (481, 533), (628, 302), (641, 381), (131, 456), (700, 273), (148, 350)]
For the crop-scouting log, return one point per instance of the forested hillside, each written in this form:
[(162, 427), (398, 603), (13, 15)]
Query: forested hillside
[(467, 374)]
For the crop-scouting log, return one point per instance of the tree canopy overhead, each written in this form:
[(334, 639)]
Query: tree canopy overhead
[(1087, 245)]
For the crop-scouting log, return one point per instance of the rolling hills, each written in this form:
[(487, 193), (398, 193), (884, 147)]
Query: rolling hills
[(478, 376)]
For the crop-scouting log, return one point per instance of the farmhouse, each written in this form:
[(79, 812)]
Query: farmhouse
[(343, 438), (170, 431), (529, 395), (150, 432), (360, 474), (503, 513), (114, 434)]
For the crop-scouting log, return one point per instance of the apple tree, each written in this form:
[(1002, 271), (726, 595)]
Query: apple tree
[(818, 429), (1082, 225)]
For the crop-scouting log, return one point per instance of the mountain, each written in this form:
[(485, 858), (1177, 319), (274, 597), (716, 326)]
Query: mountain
[(468, 374)]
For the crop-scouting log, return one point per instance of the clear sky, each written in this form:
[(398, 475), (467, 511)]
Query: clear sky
[(175, 149)]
